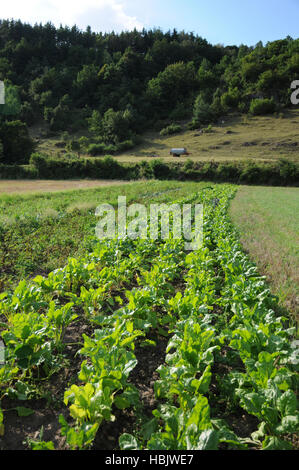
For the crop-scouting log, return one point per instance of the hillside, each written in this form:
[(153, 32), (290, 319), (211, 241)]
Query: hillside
[(113, 88), (238, 137)]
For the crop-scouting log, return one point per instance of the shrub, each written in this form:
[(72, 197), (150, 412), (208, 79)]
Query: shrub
[(227, 172), (65, 136), (17, 144), (125, 145), (281, 173), (18, 172), (288, 171), (172, 129), (73, 146), (96, 149), (188, 165), (262, 106), (145, 170), (251, 173), (193, 125), (208, 130), (160, 169), (181, 111), (110, 149), (203, 111), (231, 98)]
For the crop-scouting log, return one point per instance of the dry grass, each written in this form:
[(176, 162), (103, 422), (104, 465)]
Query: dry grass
[(238, 138), (268, 222), (33, 186), (264, 138)]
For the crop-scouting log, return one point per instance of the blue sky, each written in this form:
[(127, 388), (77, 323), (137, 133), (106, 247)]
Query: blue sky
[(223, 21), (219, 21)]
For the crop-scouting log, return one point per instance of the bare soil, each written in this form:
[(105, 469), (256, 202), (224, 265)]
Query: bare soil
[(33, 186)]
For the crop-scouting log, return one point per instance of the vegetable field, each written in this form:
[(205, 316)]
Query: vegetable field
[(140, 344)]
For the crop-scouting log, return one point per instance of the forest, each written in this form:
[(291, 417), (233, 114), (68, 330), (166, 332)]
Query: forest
[(116, 86)]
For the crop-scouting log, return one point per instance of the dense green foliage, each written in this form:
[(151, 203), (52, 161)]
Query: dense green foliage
[(171, 129), (279, 173), (16, 142), (117, 85)]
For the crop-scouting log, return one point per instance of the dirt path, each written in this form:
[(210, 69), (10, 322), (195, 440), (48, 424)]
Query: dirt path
[(25, 186)]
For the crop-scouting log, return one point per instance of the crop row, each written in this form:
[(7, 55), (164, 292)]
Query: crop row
[(213, 306)]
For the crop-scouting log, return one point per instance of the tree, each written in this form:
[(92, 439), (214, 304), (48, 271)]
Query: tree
[(203, 112), (173, 85), (207, 75), (231, 98), (12, 106), (262, 106), (116, 126), (74, 146), (17, 144), (95, 123), (59, 117)]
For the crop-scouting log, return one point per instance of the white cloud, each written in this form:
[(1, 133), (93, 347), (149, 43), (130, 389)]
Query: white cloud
[(101, 15)]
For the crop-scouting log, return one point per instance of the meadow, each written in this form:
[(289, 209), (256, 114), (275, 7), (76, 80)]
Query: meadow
[(268, 226), (139, 344)]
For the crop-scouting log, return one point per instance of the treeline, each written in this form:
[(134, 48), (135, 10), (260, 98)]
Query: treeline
[(115, 86), (280, 173)]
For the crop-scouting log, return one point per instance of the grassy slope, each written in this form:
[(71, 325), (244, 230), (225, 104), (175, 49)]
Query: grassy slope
[(269, 138), (268, 222)]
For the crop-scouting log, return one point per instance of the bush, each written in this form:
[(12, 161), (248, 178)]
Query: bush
[(231, 98), (125, 145), (181, 111), (172, 129), (208, 130), (203, 111), (101, 149), (160, 169), (193, 125), (288, 171), (116, 125), (96, 149), (145, 170), (280, 173), (73, 146), (262, 106), (17, 144), (111, 148), (18, 172), (189, 165)]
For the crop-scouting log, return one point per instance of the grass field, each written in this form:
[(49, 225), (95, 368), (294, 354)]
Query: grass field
[(140, 343), (264, 138), (268, 221)]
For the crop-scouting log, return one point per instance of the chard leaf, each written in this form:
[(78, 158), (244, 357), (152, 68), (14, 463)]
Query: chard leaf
[(208, 440)]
